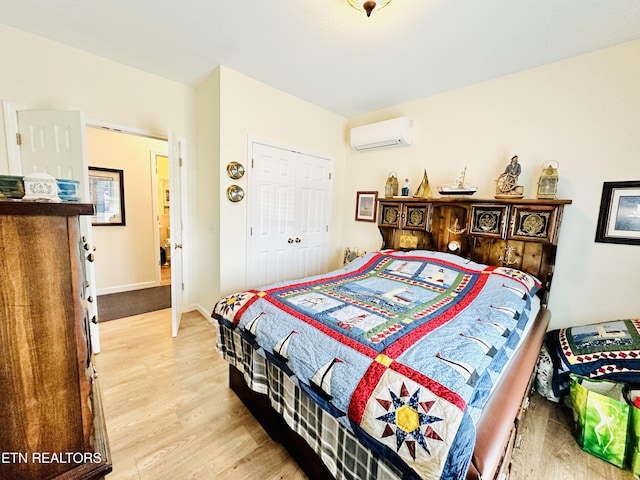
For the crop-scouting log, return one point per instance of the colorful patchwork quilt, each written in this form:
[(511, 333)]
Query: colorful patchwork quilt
[(606, 350), (403, 348)]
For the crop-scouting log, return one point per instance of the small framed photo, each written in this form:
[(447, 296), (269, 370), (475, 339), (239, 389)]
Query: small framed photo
[(166, 193), (366, 206), (106, 187), (619, 218)]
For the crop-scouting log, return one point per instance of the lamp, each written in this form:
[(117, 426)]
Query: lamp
[(368, 5)]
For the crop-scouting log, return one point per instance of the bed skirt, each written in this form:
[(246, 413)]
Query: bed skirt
[(332, 452)]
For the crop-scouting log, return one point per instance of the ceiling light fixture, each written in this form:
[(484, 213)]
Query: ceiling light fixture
[(368, 5)]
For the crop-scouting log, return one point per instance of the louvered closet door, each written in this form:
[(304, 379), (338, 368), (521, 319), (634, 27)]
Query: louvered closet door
[(289, 208)]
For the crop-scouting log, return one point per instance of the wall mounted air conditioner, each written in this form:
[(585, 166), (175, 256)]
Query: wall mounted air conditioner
[(389, 133)]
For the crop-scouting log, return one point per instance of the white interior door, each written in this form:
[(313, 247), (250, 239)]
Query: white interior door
[(289, 214), (313, 211), (176, 155), (53, 142), (272, 223)]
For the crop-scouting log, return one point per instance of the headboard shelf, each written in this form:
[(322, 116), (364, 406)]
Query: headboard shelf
[(519, 233)]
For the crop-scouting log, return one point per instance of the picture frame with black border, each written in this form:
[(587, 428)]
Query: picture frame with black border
[(619, 216), (106, 189)]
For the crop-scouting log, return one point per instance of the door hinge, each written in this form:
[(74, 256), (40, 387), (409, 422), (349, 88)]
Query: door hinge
[(18, 139), (329, 175), (252, 163), (183, 286), (180, 161)]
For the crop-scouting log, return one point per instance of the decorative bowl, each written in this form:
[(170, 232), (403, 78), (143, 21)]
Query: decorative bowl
[(68, 190), (11, 187)]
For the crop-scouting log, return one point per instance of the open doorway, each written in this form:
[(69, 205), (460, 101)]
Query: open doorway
[(128, 259), (116, 256)]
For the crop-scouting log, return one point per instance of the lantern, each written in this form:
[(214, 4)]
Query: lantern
[(391, 187), (548, 182)]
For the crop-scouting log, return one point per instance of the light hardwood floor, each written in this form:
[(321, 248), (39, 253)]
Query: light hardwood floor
[(170, 414), (165, 275)]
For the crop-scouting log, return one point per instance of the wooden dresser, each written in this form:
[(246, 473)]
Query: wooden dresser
[(51, 420), (516, 232)]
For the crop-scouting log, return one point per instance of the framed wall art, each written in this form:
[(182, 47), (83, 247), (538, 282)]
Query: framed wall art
[(106, 187), (366, 206), (619, 218), (166, 193)]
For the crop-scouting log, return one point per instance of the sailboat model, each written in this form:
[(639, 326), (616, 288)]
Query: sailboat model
[(458, 187), (321, 380), (281, 348), (424, 190)]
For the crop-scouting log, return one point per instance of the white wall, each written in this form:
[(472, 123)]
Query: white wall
[(207, 241), (125, 255), (249, 108), (583, 113), (48, 75)]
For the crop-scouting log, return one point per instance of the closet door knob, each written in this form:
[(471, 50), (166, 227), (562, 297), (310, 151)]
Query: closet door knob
[(90, 257), (298, 240), (290, 240)]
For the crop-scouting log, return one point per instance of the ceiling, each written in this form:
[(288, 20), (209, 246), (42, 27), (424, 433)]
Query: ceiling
[(327, 53)]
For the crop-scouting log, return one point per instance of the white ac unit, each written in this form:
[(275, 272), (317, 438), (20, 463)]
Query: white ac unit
[(389, 133)]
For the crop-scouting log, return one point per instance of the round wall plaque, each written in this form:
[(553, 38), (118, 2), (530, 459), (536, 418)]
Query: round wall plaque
[(235, 193), (235, 170)]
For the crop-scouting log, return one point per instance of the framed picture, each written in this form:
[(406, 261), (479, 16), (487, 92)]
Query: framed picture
[(488, 221), (106, 187), (166, 193), (619, 218), (366, 206)]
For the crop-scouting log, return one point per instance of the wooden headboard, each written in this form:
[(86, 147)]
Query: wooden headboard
[(518, 233)]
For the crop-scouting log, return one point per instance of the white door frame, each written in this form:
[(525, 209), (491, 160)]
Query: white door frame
[(177, 152), (10, 113)]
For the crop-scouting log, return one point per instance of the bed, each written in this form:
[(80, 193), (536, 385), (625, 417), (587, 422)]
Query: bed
[(404, 364)]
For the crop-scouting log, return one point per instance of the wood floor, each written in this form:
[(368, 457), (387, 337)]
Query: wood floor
[(165, 275), (171, 416)]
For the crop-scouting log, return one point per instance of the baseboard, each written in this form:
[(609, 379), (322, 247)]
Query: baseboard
[(204, 312), (126, 288)]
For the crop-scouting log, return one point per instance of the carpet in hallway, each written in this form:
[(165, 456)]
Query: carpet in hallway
[(134, 302)]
